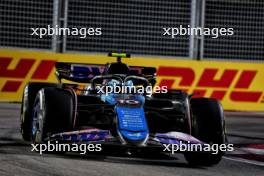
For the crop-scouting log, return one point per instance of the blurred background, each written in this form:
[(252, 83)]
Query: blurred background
[(135, 27)]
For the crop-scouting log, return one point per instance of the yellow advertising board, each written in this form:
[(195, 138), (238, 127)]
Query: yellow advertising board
[(238, 85)]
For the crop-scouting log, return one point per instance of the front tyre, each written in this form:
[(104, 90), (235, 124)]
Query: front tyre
[(208, 125), (29, 95), (52, 113)]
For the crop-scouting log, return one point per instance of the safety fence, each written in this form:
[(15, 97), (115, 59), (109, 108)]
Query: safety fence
[(136, 27)]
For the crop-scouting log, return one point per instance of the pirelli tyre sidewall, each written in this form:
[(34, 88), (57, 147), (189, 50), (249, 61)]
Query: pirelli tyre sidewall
[(208, 125), (28, 98), (52, 113)]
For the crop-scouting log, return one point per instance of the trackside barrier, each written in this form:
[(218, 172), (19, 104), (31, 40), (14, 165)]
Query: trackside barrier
[(239, 86)]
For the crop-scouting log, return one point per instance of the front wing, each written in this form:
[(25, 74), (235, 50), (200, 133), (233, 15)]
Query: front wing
[(95, 135)]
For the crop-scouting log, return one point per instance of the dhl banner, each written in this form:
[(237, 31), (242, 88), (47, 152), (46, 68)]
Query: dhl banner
[(239, 86)]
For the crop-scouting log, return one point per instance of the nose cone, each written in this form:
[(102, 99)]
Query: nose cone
[(132, 125)]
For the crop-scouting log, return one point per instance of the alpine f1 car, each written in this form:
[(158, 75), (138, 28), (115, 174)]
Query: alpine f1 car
[(80, 113)]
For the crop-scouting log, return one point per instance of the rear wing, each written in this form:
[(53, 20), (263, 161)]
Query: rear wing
[(84, 73)]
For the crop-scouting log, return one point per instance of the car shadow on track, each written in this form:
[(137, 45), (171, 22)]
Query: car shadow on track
[(159, 160), (11, 146)]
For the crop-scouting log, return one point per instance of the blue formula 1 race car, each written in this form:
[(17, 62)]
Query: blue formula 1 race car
[(111, 105)]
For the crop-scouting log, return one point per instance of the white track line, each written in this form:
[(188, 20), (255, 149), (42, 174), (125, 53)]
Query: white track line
[(244, 161)]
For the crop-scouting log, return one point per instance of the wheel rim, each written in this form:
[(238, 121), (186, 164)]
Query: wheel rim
[(37, 121)]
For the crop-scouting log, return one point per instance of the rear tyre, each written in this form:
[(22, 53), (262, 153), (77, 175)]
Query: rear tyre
[(52, 113), (29, 95), (208, 125)]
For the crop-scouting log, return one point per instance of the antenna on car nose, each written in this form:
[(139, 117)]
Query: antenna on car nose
[(119, 56)]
